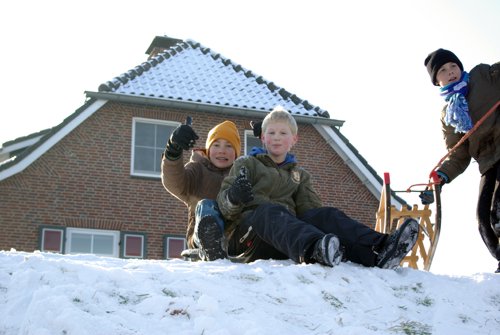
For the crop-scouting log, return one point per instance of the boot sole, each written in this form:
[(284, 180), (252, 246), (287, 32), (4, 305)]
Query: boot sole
[(331, 250), (395, 255), (210, 237)]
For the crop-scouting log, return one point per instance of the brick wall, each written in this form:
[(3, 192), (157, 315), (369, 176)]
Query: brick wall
[(84, 181)]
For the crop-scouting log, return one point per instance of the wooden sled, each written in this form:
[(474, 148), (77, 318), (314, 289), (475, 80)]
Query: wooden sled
[(390, 218)]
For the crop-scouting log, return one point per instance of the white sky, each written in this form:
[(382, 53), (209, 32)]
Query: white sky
[(360, 60), (43, 294)]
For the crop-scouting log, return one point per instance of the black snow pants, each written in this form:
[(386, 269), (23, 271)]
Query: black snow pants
[(488, 209), (271, 229)]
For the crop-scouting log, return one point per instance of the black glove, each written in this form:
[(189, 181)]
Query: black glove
[(182, 138), (241, 190), (427, 197), (257, 128)]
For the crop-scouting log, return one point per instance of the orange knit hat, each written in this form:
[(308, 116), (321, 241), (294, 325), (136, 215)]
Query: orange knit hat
[(226, 130)]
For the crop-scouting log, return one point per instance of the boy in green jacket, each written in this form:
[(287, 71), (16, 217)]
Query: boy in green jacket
[(272, 211)]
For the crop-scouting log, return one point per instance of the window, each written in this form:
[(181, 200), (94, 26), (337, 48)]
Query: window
[(133, 245), (89, 241), (251, 141), (51, 239), (149, 138), (173, 246)]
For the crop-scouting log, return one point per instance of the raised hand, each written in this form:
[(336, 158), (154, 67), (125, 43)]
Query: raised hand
[(182, 138)]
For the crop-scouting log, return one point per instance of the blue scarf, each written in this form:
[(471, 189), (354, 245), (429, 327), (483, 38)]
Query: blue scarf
[(457, 111)]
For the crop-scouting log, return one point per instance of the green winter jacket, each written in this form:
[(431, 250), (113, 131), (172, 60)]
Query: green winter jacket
[(287, 185), (484, 144)]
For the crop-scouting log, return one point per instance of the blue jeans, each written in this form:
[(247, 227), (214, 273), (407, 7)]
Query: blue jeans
[(206, 207)]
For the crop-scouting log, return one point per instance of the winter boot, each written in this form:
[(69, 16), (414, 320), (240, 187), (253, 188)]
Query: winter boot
[(211, 239), (327, 251), (398, 244)]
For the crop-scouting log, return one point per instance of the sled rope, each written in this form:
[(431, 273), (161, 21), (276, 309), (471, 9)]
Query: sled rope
[(466, 136)]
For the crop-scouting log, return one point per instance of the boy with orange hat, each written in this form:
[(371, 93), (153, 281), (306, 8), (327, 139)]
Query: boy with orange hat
[(197, 182)]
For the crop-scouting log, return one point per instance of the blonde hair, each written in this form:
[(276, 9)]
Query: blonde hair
[(280, 114)]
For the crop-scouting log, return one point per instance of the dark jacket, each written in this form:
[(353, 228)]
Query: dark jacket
[(484, 144), (198, 179)]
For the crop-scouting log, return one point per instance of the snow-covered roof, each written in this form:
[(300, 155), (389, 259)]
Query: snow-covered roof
[(189, 72)]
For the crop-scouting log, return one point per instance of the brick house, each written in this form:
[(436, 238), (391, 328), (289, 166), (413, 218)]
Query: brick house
[(92, 183)]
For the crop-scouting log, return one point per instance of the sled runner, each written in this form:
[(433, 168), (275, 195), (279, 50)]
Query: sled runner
[(390, 218)]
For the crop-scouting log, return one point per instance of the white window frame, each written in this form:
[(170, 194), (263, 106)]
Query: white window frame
[(61, 242), (167, 239), (135, 120), (113, 233), (249, 135), (143, 245)]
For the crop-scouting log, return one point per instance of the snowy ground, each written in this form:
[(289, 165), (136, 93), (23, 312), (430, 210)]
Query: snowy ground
[(51, 294)]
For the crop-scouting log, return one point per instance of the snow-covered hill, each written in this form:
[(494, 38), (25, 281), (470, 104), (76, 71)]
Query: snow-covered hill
[(48, 294)]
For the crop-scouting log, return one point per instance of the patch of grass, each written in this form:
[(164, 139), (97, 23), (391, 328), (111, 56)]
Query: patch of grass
[(169, 293), (412, 328), (425, 302), (464, 318), (278, 300), (304, 280), (417, 288), (332, 300), (125, 300), (250, 277), (495, 299)]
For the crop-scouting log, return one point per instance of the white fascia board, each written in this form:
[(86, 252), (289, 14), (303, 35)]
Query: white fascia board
[(50, 142), (20, 145), (351, 160)]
